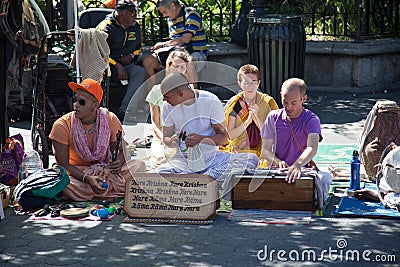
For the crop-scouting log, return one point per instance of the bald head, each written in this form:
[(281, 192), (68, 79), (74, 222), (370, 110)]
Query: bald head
[(293, 95), (293, 84)]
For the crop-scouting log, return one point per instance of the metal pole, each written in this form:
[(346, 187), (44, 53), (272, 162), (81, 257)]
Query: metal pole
[(49, 14), (4, 132), (357, 38), (78, 73), (233, 11)]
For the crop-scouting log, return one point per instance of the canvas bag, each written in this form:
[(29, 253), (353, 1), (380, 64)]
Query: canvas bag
[(195, 159), (11, 158), (389, 167)]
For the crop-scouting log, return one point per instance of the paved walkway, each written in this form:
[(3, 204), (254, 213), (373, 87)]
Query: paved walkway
[(222, 243)]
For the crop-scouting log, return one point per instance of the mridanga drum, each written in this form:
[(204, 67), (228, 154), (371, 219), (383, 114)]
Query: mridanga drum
[(272, 193)]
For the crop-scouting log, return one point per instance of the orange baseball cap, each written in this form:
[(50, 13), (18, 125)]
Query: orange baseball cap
[(89, 85)]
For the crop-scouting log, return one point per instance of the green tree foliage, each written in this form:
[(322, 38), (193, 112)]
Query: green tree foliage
[(323, 19)]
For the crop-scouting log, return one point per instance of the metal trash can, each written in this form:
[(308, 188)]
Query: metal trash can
[(277, 46)]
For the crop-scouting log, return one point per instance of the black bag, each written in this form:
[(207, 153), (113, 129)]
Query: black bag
[(241, 25), (163, 53)]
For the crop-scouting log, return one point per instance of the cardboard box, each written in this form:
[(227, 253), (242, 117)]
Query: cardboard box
[(171, 196), (272, 193)]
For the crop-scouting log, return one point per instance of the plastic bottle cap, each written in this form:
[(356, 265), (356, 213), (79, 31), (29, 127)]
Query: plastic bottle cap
[(355, 153)]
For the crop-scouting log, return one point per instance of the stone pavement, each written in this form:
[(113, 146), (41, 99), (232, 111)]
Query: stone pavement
[(222, 243)]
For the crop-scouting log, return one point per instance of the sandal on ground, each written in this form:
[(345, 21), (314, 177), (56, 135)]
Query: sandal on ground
[(146, 143)]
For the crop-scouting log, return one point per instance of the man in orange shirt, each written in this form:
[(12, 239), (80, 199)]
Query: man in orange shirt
[(82, 141)]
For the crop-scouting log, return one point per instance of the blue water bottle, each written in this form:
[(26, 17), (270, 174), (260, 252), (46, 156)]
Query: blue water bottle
[(355, 172)]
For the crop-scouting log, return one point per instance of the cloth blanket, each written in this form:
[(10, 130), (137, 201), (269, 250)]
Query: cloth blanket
[(160, 221), (219, 168), (350, 206), (79, 191), (93, 54), (90, 217)]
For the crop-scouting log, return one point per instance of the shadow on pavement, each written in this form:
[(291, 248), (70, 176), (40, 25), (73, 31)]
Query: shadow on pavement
[(222, 243), (343, 108)]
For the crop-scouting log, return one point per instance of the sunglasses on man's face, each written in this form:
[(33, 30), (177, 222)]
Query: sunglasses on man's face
[(81, 101)]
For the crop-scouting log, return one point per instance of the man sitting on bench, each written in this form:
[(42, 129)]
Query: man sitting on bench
[(125, 42)]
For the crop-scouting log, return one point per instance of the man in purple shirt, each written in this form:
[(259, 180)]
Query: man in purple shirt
[(291, 134)]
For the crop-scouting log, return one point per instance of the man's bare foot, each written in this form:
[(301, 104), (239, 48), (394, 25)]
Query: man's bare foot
[(367, 194)]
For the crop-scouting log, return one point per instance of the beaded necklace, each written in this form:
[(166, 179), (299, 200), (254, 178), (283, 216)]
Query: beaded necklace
[(91, 130), (251, 101)]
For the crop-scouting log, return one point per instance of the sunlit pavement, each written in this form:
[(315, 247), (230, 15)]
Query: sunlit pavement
[(326, 241)]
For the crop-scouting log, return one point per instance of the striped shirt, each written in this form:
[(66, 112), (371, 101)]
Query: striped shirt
[(189, 21)]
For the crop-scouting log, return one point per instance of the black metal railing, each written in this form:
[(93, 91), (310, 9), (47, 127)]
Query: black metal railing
[(323, 19)]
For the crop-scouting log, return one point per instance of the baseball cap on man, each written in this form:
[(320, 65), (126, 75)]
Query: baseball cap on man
[(125, 5), (89, 85)]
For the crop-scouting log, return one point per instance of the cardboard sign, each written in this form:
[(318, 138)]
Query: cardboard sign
[(171, 196)]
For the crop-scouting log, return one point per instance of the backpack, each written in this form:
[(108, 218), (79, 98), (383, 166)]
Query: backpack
[(241, 25), (42, 187), (382, 127)]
